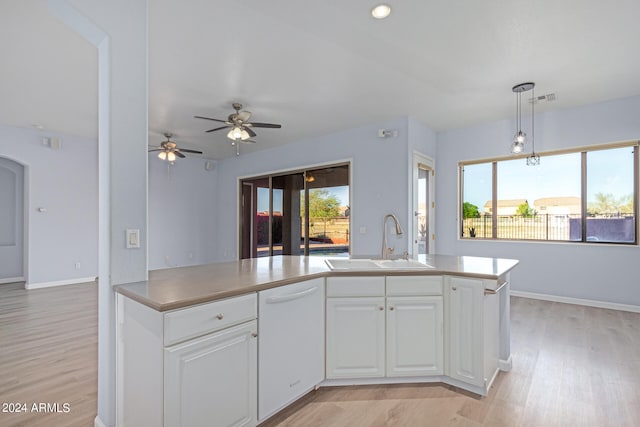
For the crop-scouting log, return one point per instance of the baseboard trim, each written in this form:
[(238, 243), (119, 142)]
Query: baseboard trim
[(98, 422), (505, 365), (59, 283), (11, 280), (577, 301)]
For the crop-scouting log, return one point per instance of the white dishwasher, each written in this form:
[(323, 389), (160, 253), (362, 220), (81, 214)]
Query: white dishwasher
[(290, 344)]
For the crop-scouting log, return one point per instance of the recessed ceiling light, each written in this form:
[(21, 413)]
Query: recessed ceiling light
[(381, 11)]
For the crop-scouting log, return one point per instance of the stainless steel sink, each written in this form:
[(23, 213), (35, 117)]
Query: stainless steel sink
[(375, 264)]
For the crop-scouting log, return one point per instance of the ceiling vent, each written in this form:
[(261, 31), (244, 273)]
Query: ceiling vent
[(543, 99)]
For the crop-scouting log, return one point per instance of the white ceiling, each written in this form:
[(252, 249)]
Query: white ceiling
[(319, 67)]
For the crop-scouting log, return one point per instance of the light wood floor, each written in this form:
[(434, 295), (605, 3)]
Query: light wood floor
[(49, 353), (573, 366)]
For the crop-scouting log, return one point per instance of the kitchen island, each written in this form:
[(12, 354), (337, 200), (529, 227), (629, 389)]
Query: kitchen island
[(193, 341)]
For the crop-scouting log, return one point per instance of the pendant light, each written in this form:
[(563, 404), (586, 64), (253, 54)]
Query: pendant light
[(517, 146)]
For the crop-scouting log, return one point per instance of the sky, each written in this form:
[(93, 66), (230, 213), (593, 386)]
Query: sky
[(608, 171)]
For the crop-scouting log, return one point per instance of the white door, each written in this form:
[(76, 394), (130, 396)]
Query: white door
[(212, 380), (291, 343), (355, 337), (423, 205), (11, 221), (465, 329), (414, 336)]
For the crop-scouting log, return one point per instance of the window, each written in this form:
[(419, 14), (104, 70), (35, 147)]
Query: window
[(584, 195), (296, 213)]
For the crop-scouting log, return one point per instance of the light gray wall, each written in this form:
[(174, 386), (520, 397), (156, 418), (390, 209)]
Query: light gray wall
[(379, 186), (64, 182), (421, 138), (182, 212), (606, 273)]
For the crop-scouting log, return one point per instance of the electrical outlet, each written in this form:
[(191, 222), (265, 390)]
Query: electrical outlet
[(77, 266)]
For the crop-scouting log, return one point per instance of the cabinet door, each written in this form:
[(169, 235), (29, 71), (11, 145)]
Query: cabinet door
[(212, 380), (355, 337), (465, 329), (414, 336)]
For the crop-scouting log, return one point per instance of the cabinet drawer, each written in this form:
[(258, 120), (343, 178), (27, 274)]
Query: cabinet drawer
[(414, 285), (191, 322), (368, 286)]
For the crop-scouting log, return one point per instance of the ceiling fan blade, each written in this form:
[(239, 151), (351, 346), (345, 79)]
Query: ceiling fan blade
[(215, 129), (209, 118), (243, 116), (184, 150), (264, 125), (248, 141), (250, 132), (156, 149), (179, 154)]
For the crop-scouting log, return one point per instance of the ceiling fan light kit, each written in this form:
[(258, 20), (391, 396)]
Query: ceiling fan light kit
[(169, 151), (240, 128)]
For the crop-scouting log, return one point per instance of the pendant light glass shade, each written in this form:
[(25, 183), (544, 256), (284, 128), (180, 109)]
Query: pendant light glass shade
[(517, 146), (162, 155), (518, 142), (533, 160)]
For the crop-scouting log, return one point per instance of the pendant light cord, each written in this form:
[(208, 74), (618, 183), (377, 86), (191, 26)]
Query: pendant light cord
[(533, 134)]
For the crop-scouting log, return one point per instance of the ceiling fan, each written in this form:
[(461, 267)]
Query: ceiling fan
[(241, 128), (168, 150)]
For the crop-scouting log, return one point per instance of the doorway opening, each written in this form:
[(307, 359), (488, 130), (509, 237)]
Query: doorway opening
[(12, 222), (423, 237), (302, 212)]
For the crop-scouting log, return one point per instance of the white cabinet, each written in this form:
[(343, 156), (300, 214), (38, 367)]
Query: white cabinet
[(472, 332), (212, 380), (414, 336), (379, 326), (291, 344), (355, 337), (193, 367)]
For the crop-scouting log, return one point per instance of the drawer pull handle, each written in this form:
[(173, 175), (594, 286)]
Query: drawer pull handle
[(380, 308), (391, 308), (454, 288), (220, 316), (493, 292), (254, 334)]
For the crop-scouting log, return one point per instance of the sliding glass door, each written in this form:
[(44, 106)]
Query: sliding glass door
[(304, 212)]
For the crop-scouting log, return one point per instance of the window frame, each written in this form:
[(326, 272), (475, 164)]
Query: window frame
[(634, 144)]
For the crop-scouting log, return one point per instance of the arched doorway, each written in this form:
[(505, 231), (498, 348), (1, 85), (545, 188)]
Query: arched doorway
[(12, 221)]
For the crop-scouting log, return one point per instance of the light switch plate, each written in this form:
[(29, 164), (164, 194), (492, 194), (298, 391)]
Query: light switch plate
[(133, 238)]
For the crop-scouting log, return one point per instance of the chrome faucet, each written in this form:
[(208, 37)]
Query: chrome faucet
[(386, 251)]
